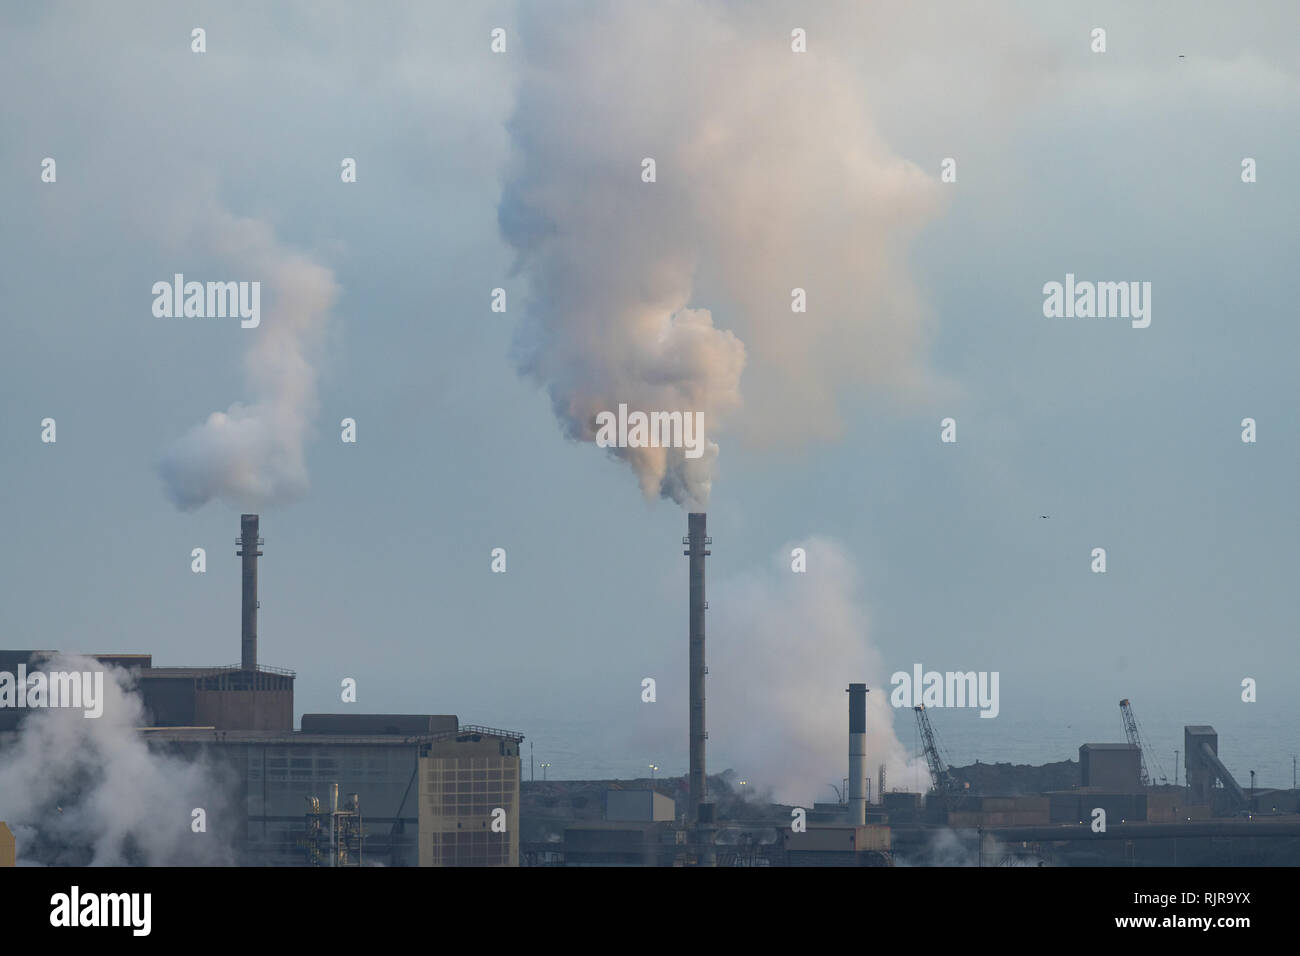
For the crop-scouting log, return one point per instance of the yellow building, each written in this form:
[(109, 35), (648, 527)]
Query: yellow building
[(469, 801), (8, 848)]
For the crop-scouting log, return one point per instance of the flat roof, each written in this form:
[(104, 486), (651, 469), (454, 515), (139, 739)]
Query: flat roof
[(275, 737), (298, 738), (196, 673)]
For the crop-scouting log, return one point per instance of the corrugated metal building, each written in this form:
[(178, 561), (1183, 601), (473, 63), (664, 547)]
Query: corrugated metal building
[(868, 845), (272, 774)]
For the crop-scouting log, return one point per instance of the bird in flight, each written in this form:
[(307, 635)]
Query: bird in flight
[(1044, 516)]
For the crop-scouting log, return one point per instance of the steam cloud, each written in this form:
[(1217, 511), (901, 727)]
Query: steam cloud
[(945, 847), (789, 645), (252, 454), (83, 791), (770, 176)]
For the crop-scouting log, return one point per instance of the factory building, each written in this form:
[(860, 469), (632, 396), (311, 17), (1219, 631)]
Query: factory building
[(623, 843), (1113, 767), (850, 845), (643, 806), (1201, 745), (426, 786), (243, 696), (226, 698), (469, 799)]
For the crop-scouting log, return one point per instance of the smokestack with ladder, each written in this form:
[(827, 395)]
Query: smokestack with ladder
[(858, 755), (697, 541), (250, 549)]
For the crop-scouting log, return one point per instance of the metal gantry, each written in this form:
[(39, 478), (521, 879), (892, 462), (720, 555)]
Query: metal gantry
[(334, 835)]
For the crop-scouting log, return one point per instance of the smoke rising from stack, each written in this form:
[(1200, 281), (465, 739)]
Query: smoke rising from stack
[(780, 647), (90, 792), (770, 176), (252, 455)]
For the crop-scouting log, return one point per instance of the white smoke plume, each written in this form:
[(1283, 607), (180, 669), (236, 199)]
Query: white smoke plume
[(783, 648), (81, 791), (251, 455), (770, 176)]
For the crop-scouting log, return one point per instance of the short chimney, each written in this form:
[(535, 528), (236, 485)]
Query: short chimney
[(250, 549), (858, 754)]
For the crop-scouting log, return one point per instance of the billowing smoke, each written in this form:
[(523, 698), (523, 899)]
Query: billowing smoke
[(769, 177), (783, 647), (81, 791), (252, 454)]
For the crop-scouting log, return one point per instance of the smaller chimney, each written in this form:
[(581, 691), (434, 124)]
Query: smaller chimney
[(699, 810), (250, 549), (858, 754)]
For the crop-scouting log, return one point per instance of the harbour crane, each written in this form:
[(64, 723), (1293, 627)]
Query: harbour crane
[(1135, 739), (949, 789)]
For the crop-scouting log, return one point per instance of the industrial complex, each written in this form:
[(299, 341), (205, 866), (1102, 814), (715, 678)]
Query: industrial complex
[(428, 790), (420, 790)]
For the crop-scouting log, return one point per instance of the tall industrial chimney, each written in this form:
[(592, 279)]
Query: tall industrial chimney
[(250, 549), (697, 550), (858, 754)]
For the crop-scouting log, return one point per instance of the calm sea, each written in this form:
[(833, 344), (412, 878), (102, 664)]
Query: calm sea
[(1250, 738)]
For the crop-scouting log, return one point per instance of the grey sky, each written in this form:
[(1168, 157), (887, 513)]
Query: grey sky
[(1115, 166)]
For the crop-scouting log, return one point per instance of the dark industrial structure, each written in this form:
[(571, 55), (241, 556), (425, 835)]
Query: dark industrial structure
[(1114, 767), (1204, 767)]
